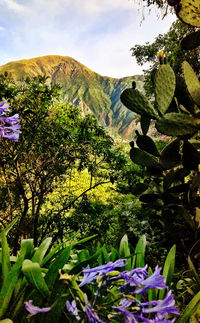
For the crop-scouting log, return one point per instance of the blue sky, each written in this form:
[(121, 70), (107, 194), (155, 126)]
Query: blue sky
[(98, 33)]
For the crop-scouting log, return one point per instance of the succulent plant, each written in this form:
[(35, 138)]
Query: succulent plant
[(188, 11)]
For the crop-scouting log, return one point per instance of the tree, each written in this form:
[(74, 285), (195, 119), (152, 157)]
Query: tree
[(55, 138)]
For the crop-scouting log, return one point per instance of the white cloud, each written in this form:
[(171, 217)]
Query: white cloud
[(15, 6), (2, 28)]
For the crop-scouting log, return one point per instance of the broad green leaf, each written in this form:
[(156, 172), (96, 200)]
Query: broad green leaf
[(41, 251), (83, 255), (139, 257), (77, 268), (33, 274), (168, 269), (139, 188), (196, 275), (114, 254), (105, 255), (57, 264), (190, 309), (6, 321), (151, 292), (124, 251), (5, 256), (10, 283)]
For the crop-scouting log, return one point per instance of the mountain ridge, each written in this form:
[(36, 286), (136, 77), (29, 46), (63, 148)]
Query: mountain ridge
[(95, 93)]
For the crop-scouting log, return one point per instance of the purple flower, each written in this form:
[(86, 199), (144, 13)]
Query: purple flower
[(133, 277), (9, 126), (89, 274), (3, 107), (33, 310), (161, 307), (92, 316), (154, 281), (72, 309)]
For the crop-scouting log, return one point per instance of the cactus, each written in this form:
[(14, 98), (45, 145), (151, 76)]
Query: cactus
[(192, 82), (170, 156), (145, 123), (190, 158), (137, 103), (164, 87), (182, 94), (143, 158), (189, 12), (191, 41), (178, 124), (147, 144)]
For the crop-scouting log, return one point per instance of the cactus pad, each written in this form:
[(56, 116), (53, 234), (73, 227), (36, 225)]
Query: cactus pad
[(192, 82), (191, 41), (165, 87), (178, 124), (189, 12), (143, 158), (136, 102)]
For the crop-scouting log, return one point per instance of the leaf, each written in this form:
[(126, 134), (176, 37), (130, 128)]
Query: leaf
[(10, 283), (124, 251), (178, 124), (142, 158), (33, 274), (42, 249), (170, 156), (165, 87), (57, 264), (151, 292), (190, 263), (5, 256), (168, 270), (83, 255), (6, 321), (190, 309), (139, 257)]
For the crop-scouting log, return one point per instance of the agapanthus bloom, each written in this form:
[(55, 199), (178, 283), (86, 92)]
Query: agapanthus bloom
[(89, 274), (9, 126), (33, 310), (92, 316), (72, 309)]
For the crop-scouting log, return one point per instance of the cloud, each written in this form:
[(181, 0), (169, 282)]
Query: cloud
[(15, 6), (2, 28)]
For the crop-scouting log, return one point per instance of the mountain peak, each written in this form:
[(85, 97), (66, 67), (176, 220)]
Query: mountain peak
[(81, 86)]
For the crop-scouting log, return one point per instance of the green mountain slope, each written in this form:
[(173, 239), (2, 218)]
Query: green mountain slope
[(95, 93)]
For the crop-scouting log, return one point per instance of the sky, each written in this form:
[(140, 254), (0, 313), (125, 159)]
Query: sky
[(97, 33)]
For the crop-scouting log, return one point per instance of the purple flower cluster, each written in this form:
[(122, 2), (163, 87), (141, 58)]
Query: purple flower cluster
[(9, 126), (89, 274), (134, 282)]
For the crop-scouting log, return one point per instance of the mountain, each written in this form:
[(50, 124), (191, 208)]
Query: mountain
[(81, 86)]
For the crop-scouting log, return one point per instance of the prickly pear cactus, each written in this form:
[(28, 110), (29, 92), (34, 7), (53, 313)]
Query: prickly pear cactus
[(136, 102), (192, 82), (191, 41), (164, 87), (189, 12)]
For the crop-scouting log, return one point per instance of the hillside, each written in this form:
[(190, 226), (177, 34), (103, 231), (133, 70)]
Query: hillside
[(95, 93)]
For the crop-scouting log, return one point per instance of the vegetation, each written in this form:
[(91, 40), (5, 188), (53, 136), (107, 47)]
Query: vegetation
[(69, 267)]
